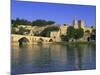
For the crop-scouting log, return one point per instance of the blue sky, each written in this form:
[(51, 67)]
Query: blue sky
[(60, 13)]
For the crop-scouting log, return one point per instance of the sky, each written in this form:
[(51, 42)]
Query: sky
[(60, 13)]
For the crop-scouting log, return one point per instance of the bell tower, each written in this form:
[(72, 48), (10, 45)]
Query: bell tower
[(81, 24), (75, 23)]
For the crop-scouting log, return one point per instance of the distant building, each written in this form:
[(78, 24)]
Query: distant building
[(63, 29), (81, 24), (56, 35), (75, 23)]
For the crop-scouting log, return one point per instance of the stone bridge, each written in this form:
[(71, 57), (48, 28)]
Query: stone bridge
[(30, 39)]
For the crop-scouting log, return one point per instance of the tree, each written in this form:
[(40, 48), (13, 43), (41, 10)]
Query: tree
[(78, 33), (20, 22), (70, 32), (75, 33), (22, 30), (13, 31), (12, 21), (64, 38), (93, 34), (40, 22), (46, 31), (50, 22), (93, 31)]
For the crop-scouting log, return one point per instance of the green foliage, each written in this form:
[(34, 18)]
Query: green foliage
[(75, 33), (93, 34), (94, 31), (40, 22), (20, 22), (22, 31), (46, 31), (50, 22), (13, 31), (70, 32), (64, 38), (78, 33)]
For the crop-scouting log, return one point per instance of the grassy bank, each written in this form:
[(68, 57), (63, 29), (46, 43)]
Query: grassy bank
[(76, 42)]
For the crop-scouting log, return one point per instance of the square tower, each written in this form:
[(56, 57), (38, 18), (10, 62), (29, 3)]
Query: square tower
[(81, 24), (75, 23)]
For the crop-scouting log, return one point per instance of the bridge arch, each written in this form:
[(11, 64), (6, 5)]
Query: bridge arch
[(23, 40), (50, 40), (40, 39)]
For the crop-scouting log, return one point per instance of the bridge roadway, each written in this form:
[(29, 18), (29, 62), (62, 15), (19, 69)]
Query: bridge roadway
[(31, 39)]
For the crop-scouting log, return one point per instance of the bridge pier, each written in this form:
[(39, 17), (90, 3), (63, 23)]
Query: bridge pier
[(29, 39)]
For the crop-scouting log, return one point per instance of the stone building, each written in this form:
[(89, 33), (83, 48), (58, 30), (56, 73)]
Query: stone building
[(56, 35), (81, 24), (63, 29), (75, 23)]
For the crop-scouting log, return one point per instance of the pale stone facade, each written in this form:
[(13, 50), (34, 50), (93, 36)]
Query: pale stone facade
[(81, 24), (55, 36), (63, 29), (75, 24), (31, 39), (88, 29)]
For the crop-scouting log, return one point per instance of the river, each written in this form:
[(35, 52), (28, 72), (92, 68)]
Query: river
[(52, 58)]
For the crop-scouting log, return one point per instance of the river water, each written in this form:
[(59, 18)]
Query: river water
[(52, 58)]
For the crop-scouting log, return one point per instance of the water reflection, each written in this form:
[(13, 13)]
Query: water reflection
[(47, 58)]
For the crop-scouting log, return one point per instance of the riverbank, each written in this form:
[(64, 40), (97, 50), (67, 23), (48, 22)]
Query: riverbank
[(76, 42), (60, 43)]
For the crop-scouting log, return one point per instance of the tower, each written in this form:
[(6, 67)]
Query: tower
[(81, 24), (75, 23), (63, 29), (55, 36)]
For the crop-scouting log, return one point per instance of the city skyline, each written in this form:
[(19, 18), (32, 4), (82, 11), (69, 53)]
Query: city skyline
[(60, 13)]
